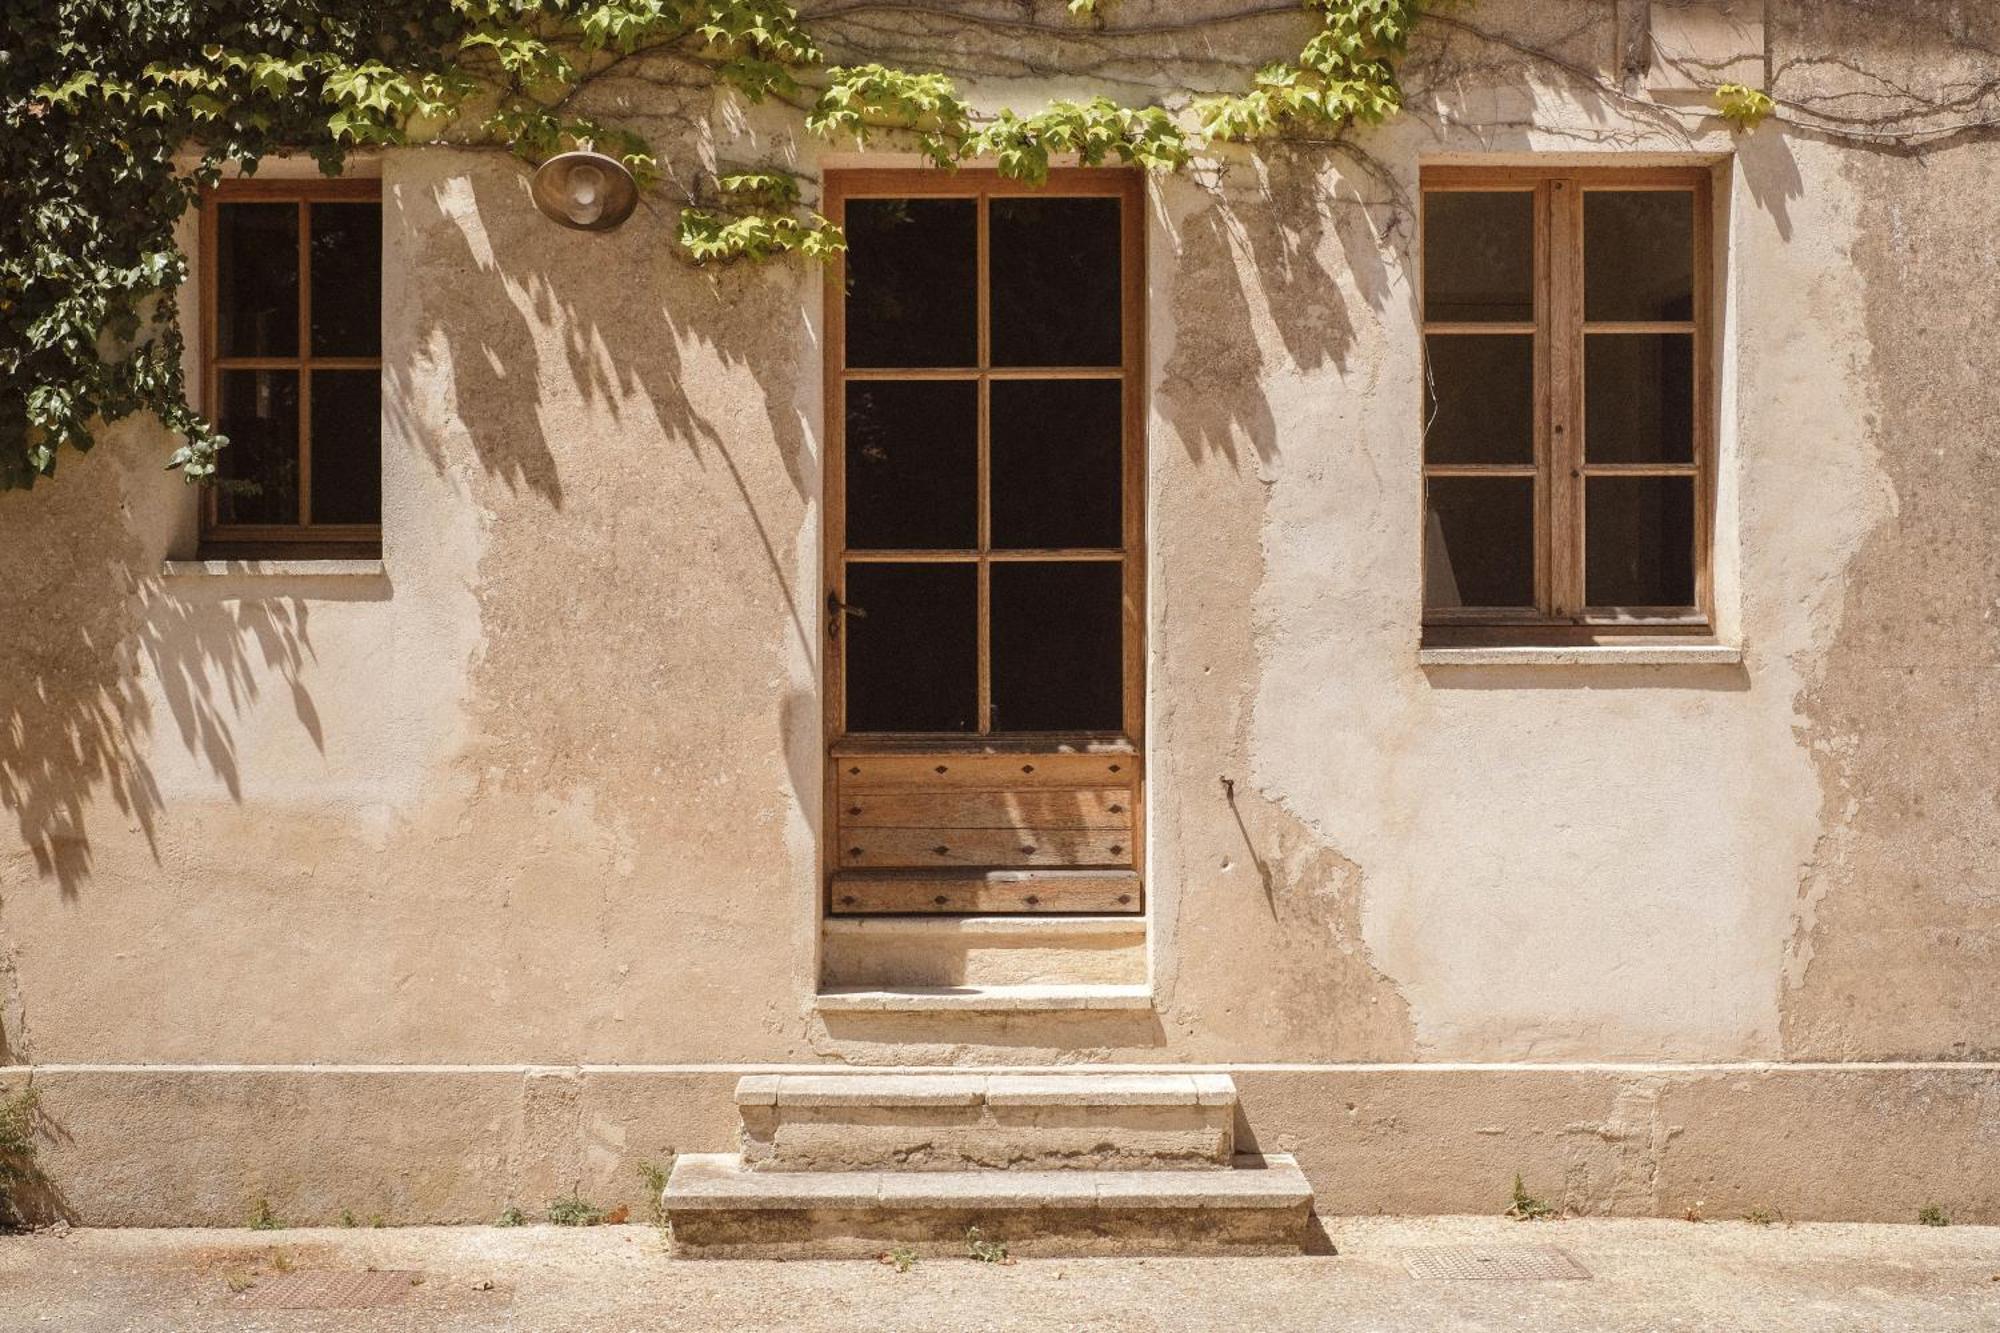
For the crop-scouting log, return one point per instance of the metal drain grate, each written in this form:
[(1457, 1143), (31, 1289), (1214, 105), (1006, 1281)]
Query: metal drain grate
[(329, 1291), (1517, 1262)]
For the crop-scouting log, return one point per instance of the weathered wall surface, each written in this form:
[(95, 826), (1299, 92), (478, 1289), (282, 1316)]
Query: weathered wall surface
[(544, 793)]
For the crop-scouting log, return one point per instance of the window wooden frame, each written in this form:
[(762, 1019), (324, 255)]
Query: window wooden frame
[(304, 537), (982, 186), (1559, 469)]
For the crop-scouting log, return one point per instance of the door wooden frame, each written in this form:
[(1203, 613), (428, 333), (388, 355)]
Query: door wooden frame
[(840, 186)]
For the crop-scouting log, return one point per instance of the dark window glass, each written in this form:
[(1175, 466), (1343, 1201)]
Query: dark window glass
[(1479, 255), (1639, 541), (1058, 646), (913, 657), (1482, 400), (1057, 463), (257, 478), (912, 282), (1638, 254), (912, 464), (1638, 397), (347, 446), (1479, 541), (1055, 282), (257, 280), (346, 248)]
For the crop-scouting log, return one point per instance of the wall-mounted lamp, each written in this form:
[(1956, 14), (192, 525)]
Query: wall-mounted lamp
[(585, 190)]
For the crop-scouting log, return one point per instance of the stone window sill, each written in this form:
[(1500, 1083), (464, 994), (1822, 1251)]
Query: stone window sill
[(1665, 653), (198, 569)]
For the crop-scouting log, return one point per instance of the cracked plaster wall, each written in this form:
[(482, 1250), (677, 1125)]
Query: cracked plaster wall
[(546, 791)]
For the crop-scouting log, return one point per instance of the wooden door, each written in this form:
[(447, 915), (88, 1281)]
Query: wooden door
[(984, 558)]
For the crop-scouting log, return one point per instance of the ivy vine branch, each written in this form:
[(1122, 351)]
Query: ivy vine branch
[(99, 108)]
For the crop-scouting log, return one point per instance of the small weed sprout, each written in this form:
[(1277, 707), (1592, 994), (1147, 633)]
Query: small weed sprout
[(262, 1218), (903, 1258), (238, 1280), (281, 1261), (1762, 1217), (347, 1218), (655, 1177), (1525, 1206), (512, 1217), (1693, 1212), (17, 1149), (984, 1250), (575, 1212), (377, 1220), (1930, 1215)]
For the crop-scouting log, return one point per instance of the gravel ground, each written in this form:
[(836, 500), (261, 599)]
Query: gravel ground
[(1645, 1274)]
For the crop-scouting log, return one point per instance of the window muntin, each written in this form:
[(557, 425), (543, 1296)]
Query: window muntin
[(1011, 315), (1566, 471), (291, 298)]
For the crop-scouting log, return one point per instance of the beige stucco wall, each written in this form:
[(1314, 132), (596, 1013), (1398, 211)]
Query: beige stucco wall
[(544, 792)]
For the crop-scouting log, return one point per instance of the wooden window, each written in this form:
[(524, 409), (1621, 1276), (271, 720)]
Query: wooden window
[(984, 517), (1568, 481), (292, 365)]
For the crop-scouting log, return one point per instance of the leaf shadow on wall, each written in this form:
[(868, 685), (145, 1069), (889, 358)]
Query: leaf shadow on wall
[(1261, 275), (558, 371), (101, 640)]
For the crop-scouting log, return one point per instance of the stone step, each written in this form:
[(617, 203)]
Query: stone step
[(980, 999), (943, 1122), (866, 952), (721, 1209)]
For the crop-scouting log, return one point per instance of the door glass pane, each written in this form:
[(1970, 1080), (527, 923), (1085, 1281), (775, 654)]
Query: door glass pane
[(913, 657), (257, 476), (346, 249), (1055, 282), (346, 446), (1638, 397), (912, 282), (912, 464), (1479, 255), (1058, 646), (1479, 541), (257, 280), (1638, 254), (1482, 398), (1057, 463), (1639, 541)]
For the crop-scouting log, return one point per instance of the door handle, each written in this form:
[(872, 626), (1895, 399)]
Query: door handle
[(835, 609)]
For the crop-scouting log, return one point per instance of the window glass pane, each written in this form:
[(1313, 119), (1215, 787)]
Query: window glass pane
[(1057, 465), (913, 658), (913, 464), (1638, 397), (257, 280), (346, 249), (1638, 254), (1055, 282), (1058, 646), (346, 446), (1482, 398), (257, 476), (1479, 255), (1479, 541), (912, 282), (1639, 541)]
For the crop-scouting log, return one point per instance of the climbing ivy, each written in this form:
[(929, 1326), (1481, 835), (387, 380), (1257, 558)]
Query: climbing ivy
[(115, 113)]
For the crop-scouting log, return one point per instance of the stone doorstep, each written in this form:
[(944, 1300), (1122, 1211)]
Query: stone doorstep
[(705, 1182), (982, 999), (964, 1089)]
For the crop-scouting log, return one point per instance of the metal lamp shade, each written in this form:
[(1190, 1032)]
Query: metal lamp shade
[(585, 190)]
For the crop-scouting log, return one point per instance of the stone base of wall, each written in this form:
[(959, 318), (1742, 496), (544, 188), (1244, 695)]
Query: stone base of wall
[(202, 1145)]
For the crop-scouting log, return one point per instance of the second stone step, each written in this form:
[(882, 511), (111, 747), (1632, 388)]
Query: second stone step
[(971, 1121)]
